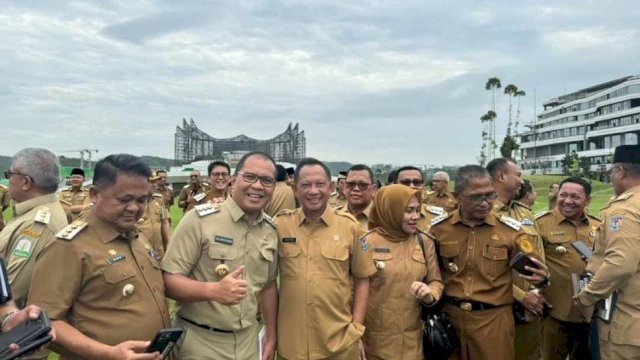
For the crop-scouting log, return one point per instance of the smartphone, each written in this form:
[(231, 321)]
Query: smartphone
[(520, 261), (29, 336), (582, 249), (164, 341)]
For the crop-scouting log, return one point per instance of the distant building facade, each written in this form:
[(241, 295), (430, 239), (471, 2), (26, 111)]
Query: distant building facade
[(193, 144), (590, 122)]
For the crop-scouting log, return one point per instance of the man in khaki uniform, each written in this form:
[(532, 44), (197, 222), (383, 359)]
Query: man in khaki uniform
[(359, 189), (337, 198), (33, 180), (527, 194), (564, 332), (475, 245), (165, 189), (193, 193), (552, 196), (4, 203), (529, 305), (615, 260), (154, 223), (219, 173), (439, 195), (283, 197), (221, 264), (321, 256), (412, 177), (76, 195), (103, 286)]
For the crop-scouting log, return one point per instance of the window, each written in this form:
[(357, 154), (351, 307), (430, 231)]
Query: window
[(615, 140), (631, 139)]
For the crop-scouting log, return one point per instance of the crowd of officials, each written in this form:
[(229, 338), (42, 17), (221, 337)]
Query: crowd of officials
[(332, 271)]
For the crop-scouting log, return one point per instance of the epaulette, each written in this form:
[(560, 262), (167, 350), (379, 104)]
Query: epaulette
[(518, 203), (65, 202), (3, 187), (186, 186), (346, 214), (541, 214), (429, 192), (158, 195), (334, 193), (437, 210), (205, 184), (206, 209), (71, 230), (510, 222), (169, 187), (364, 236), (43, 215), (269, 220), (285, 212), (440, 218), (624, 196), (594, 217)]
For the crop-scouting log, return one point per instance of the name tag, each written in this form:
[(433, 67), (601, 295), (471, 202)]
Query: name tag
[(382, 250), (289, 240), (223, 240), (114, 259)]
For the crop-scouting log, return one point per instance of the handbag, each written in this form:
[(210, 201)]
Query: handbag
[(439, 337)]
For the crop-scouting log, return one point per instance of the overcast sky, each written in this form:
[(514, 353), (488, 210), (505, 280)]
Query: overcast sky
[(368, 81)]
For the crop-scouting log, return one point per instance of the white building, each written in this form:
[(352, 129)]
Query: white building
[(591, 122)]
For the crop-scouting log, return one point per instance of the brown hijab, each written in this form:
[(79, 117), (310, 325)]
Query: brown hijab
[(387, 211)]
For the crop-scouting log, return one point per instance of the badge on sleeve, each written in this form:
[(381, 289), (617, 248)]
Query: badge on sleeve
[(615, 223), (23, 249), (363, 244)]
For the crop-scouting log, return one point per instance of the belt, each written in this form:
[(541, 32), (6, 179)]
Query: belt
[(206, 327), (470, 305)]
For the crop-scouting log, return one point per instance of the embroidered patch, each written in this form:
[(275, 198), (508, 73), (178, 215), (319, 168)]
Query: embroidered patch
[(527, 222), (289, 240), (363, 244), (30, 232), (615, 223), (223, 240), (23, 249), (382, 250)]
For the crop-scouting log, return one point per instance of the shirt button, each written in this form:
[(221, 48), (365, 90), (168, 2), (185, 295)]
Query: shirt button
[(470, 247), (467, 293)]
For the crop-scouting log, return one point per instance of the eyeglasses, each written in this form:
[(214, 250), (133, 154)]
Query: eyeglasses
[(480, 198), (216, 175), (8, 174), (408, 182), (194, 176), (252, 178), (360, 185)]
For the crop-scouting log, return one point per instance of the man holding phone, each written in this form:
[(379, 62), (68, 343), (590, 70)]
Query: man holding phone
[(221, 264)]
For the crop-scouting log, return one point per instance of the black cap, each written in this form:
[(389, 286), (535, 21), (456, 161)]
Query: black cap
[(627, 154), (342, 174), (77, 171), (290, 171)]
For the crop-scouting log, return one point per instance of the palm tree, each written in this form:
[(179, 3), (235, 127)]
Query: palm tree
[(492, 84), (518, 94), (510, 90)]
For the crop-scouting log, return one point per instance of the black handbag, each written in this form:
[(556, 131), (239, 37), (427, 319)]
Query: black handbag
[(439, 337)]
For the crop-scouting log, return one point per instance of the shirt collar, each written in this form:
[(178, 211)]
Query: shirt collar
[(26, 206), (106, 232), (489, 220), (326, 217), (237, 213), (560, 218)]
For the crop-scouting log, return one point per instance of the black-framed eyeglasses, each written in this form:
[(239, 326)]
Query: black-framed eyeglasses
[(408, 182), (8, 174), (360, 185), (194, 176), (480, 198), (217, 175), (252, 178)]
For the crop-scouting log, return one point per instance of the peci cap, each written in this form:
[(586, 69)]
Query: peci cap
[(77, 171), (342, 175), (627, 154), (290, 171)]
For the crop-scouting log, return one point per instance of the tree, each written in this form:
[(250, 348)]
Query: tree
[(518, 94), (510, 91), (491, 85), (509, 145)]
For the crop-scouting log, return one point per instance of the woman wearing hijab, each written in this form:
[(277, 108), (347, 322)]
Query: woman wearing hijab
[(397, 290)]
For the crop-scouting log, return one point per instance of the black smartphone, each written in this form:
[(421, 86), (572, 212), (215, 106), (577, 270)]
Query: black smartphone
[(582, 249), (29, 336), (520, 261), (164, 341)]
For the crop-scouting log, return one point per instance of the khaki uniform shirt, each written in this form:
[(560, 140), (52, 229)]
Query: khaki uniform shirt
[(363, 217), (105, 284), (187, 204), (394, 330), (563, 260), (25, 237), (167, 195), (523, 214), (335, 200), (447, 201), (615, 265), (75, 197), (150, 224), (282, 199), (218, 234), (318, 260), (4, 203), (427, 214), (480, 257)]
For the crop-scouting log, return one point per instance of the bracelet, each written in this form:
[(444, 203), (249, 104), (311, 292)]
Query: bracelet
[(6, 317)]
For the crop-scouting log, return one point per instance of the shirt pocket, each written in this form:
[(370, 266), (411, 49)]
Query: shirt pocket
[(381, 261), (221, 254), (121, 280), (418, 265), (495, 261), (335, 261), (264, 259), (289, 260)]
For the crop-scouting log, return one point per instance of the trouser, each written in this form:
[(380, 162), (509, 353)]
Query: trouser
[(484, 334), (350, 353), (561, 339), (199, 344), (612, 351), (527, 340)]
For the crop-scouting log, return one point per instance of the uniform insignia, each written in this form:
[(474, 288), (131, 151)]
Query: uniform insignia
[(221, 270), (594, 231), (43, 215), (439, 219), (115, 259), (452, 267), (199, 197), (128, 290), (141, 220), (525, 246), (495, 237), (206, 209), (31, 233), (527, 222), (382, 250), (112, 252), (510, 222), (186, 186), (615, 223), (269, 220), (380, 265), (223, 240), (23, 249), (437, 210), (336, 238), (157, 195), (147, 246), (557, 233), (289, 240), (363, 244), (71, 230), (561, 249), (540, 214)]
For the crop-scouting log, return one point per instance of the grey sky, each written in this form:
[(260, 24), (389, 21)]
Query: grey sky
[(368, 81)]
